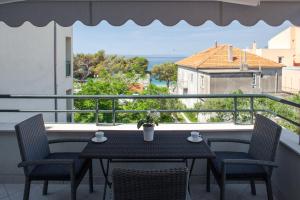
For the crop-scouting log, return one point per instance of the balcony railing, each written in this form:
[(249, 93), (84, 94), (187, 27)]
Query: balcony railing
[(114, 98)]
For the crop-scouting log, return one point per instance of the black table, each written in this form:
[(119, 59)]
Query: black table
[(130, 147)]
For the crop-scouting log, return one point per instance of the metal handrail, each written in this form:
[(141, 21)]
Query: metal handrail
[(113, 98)]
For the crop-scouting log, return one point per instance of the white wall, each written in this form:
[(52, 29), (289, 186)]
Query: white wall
[(297, 44), (281, 40), (273, 54), (291, 79), (191, 79), (27, 67)]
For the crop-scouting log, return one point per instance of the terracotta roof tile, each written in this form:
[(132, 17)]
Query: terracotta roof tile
[(217, 58), (136, 87)]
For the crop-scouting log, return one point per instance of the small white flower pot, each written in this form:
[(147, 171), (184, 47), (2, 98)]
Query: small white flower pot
[(148, 133)]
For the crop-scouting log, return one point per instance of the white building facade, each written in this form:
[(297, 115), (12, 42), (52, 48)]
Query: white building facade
[(284, 48), (36, 61), (222, 70)]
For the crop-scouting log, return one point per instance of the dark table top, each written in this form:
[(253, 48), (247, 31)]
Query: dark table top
[(166, 145)]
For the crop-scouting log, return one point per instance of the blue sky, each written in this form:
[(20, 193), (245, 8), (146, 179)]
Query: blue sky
[(157, 39)]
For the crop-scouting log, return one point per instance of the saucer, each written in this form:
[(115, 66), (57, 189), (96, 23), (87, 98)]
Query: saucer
[(96, 140), (190, 139)]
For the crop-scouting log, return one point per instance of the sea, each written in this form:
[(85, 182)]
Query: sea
[(155, 60)]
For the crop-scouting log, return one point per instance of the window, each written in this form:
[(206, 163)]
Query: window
[(185, 91), (68, 56), (191, 77), (280, 59), (254, 80), (68, 68), (202, 81)]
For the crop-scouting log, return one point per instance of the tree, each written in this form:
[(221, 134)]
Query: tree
[(104, 85), (118, 85), (84, 63), (90, 65), (150, 104), (165, 72)]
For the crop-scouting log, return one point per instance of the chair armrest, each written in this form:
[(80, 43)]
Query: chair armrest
[(47, 162), (214, 140), (249, 162), (63, 140)]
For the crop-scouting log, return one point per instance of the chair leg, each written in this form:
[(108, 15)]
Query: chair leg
[(26, 189), (253, 189), (73, 186), (91, 178), (222, 191), (269, 188), (73, 192), (223, 185), (45, 188), (208, 176)]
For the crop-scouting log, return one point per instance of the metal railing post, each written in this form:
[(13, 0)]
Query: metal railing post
[(114, 111), (235, 110), (252, 109), (97, 112)]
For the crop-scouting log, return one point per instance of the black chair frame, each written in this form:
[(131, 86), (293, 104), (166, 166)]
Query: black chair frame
[(74, 179), (221, 181)]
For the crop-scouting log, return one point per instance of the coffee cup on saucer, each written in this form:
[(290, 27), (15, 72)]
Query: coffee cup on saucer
[(195, 137), (99, 137)]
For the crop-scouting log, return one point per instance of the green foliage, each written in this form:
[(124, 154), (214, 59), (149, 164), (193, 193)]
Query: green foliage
[(119, 84), (84, 63), (165, 72), (104, 85), (192, 116), (150, 104), (91, 65), (259, 104)]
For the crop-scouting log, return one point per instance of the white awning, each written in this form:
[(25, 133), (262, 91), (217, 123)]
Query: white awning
[(143, 12)]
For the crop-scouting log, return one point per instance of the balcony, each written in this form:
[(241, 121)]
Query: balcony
[(284, 177)]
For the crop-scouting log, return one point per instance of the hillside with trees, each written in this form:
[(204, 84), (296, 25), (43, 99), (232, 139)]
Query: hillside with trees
[(90, 65)]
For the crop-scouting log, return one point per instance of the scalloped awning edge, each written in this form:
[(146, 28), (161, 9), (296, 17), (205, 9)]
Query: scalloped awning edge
[(144, 13)]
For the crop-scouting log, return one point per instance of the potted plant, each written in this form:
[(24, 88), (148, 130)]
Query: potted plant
[(148, 124)]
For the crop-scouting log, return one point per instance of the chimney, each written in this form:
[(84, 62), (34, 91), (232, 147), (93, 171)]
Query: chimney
[(245, 58), (243, 66), (216, 44), (254, 46), (230, 53)]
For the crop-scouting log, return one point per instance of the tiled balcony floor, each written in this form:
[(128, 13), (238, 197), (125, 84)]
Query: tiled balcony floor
[(61, 192)]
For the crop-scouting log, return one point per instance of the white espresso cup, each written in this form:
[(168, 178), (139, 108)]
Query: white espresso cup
[(99, 135), (195, 135)]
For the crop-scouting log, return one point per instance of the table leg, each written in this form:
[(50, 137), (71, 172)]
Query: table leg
[(192, 167), (105, 172), (190, 172)]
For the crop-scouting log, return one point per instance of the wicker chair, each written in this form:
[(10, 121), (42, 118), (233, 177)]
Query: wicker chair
[(256, 164), (168, 184), (40, 164)]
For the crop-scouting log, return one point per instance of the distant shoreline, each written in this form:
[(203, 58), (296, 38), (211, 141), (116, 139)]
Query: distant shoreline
[(155, 56)]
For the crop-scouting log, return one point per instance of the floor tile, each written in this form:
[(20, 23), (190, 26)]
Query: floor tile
[(3, 192), (62, 192)]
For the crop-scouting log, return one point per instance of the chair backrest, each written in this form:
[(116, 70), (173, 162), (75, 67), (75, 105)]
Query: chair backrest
[(265, 139), (169, 184), (32, 139)]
